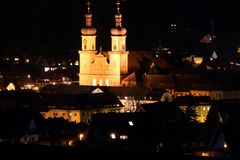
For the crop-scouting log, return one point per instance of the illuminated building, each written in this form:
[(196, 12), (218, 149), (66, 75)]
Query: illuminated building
[(99, 67), (69, 115)]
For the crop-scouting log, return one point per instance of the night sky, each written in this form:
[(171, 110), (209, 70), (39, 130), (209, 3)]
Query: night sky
[(53, 26)]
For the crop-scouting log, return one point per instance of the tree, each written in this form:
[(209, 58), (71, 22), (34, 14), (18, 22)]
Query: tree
[(191, 114)]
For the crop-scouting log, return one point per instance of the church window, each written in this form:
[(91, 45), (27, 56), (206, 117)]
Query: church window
[(100, 82), (123, 47), (107, 82), (93, 47), (85, 46), (94, 82), (114, 48)]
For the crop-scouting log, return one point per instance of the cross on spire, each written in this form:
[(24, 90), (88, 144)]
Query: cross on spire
[(88, 6), (118, 7)]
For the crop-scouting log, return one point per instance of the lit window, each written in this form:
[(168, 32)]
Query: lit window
[(204, 154), (76, 63), (16, 59), (100, 82), (107, 82), (94, 82), (81, 136), (123, 137), (46, 69)]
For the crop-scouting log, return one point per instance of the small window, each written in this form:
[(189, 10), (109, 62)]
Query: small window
[(94, 82), (107, 82)]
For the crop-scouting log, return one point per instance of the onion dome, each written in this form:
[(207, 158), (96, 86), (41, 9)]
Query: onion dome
[(118, 29), (88, 29)]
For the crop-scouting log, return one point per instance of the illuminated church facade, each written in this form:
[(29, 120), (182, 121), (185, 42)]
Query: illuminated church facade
[(103, 68)]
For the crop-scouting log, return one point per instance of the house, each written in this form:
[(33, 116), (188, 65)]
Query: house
[(78, 107), (23, 126)]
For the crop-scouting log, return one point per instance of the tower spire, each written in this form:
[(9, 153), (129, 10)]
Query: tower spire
[(118, 33), (89, 29), (88, 7), (88, 16), (118, 16), (118, 7)]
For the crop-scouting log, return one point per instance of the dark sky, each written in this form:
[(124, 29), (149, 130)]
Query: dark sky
[(53, 26)]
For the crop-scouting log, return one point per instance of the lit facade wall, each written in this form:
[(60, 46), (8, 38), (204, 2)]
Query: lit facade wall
[(103, 69), (192, 92), (98, 70), (216, 94), (200, 92), (77, 115), (69, 115)]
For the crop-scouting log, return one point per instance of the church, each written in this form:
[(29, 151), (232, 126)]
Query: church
[(103, 68)]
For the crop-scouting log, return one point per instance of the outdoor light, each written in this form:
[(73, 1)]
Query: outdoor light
[(123, 137), (205, 154), (81, 136), (130, 123), (225, 145), (113, 136)]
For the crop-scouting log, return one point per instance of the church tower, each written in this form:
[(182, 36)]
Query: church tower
[(88, 50), (118, 53), (99, 67)]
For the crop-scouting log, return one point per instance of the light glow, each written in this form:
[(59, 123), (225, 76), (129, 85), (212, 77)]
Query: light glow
[(130, 123), (113, 136), (81, 136)]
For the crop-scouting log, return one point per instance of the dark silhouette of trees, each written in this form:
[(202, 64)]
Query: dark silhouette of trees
[(213, 115)]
